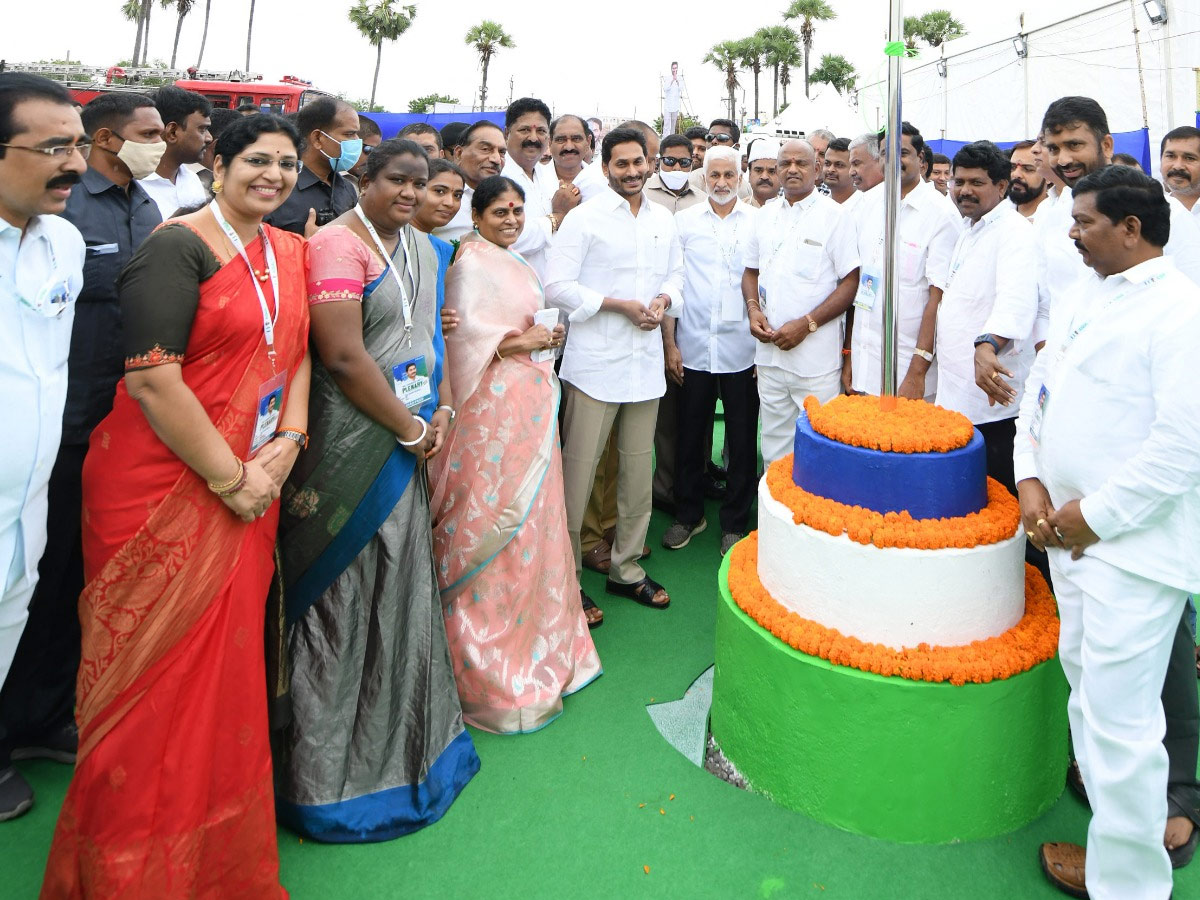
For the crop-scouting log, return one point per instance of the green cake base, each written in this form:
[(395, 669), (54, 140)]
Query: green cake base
[(901, 760)]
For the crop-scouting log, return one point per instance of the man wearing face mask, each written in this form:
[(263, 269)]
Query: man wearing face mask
[(669, 186), (114, 214), (41, 273), (547, 201), (329, 128), (186, 119)]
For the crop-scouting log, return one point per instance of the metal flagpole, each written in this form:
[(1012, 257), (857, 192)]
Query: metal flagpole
[(891, 284)]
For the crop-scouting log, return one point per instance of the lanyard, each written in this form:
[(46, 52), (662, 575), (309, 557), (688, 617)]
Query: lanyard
[(406, 305), (797, 220), (273, 270), (1078, 330), (727, 258)]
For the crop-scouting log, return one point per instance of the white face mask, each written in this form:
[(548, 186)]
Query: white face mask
[(141, 159), (674, 181), (723, 199)]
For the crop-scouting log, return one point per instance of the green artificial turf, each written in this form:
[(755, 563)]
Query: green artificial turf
[(580, 808)]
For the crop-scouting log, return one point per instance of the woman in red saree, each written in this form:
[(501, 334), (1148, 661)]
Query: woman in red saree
[(172, 794)]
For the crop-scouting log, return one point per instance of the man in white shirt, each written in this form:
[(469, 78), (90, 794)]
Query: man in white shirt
[(866, 162), (1109, 482), (990, 298), (928, 228), (939, 175), (616, 269), (480, 154), (762, 158), (527, 135), (837, 171), (672, 95), (41, 274), (800, 277), (712, 350), (568, 146), (185, 115), (1179, 163)]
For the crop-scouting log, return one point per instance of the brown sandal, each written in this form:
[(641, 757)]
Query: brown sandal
[(1064, 865), (599, 558), (591, 612)]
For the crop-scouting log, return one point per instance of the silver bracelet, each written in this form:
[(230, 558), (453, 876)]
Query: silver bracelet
[(449, 409), (424, 431)]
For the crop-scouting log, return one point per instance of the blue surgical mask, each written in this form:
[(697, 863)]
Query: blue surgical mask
[(349, 153)]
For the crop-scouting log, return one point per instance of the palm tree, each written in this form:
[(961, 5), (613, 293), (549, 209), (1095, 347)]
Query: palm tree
[(789, 56), (182, 8), (835, 71), (487, 37), (934, 28), (809, 11), (139, 11), (380, 23), (780, 43), (752, 50), (204, 33), (249, 32), (725, 56)]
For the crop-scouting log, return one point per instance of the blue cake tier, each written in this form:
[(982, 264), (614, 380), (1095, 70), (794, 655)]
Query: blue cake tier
[(927, 485)]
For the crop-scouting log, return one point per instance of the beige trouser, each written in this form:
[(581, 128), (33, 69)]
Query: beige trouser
[(601, 512), (587, 423)]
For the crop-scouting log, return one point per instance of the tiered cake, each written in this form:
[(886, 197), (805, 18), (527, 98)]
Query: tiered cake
[(884, 656)]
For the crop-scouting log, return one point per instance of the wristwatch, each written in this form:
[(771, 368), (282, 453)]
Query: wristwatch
[(294, 434), (812, 323), (989, 339)]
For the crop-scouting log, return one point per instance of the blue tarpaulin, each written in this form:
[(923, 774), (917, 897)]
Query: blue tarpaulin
[(1135, 143), (391, 123)]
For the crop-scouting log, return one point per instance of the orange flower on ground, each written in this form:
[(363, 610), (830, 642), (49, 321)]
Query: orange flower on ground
[(1031, 641), (994, 523), (913, 426)]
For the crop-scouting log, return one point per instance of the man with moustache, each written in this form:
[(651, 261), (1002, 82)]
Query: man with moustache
[(763, 158), (1110, 485), (837, 171), (990, 298), (1077, 143), (42, 144), (114, 214), (186, 119), (616, 269), (820, 141), (568, 144), (1027, 189), (697, 134), (866, 167), (721, 133), (323, 191), (547, 200), (927, 230), (939, 174), (1179, 164), (711, 351), (800, 278), (480, 153)]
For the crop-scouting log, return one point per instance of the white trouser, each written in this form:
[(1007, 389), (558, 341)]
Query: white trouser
[(781, 397), (14, 608), (1116, 634)]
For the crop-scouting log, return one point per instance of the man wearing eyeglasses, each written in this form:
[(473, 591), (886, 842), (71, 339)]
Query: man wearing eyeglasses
[(114, 213), (1027, 189), (41, 273), (332, 146)]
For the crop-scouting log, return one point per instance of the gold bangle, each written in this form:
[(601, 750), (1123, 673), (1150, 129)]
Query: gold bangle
[(752, 304), (220, 489), (499, 358)]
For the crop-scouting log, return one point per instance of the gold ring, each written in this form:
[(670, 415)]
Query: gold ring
[(1031, 535), (995, 375), (1040, 522)]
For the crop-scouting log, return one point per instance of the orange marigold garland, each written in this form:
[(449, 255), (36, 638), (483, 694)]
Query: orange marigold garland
[(1031, 641), (913, 426), (994, 523)]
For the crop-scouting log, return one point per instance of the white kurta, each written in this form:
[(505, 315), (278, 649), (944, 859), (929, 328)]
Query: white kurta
[(927, 231), (604, 250), (186, 191), (40, 277), (992, 288), (539, 190)]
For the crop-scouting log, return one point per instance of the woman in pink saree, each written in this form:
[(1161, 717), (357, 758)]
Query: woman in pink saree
[(518, 637)]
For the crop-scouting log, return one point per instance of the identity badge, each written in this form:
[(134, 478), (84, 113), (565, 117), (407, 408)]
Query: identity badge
[(762, 298), (52, 298), (1035, 427), (412, 383), (870, 282), (268, 411)]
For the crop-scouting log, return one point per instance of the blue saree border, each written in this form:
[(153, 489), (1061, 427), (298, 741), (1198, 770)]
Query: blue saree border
[(392, 813)]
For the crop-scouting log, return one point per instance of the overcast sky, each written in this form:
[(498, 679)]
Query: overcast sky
[(590, 58)]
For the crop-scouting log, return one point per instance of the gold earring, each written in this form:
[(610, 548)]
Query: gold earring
[(216, 187)]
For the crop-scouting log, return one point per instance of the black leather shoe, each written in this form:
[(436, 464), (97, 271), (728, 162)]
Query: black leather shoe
[(1182, 855), (16, 796)]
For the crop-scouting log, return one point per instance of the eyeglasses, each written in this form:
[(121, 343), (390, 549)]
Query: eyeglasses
[(684, 162), (60, 153), (262, 162), (719, 138)]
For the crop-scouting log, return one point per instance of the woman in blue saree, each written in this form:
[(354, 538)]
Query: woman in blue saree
[(375, 747)]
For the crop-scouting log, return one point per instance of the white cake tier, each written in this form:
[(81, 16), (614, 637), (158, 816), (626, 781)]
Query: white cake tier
[(899, 597)]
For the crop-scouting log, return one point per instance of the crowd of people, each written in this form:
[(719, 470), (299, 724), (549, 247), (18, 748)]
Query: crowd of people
[(323, 428)]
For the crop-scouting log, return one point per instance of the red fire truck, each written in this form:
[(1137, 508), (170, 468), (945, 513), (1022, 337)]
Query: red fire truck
[(224, 89)]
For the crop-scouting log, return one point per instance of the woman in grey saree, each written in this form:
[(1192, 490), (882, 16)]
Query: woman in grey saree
[(375, 747)]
